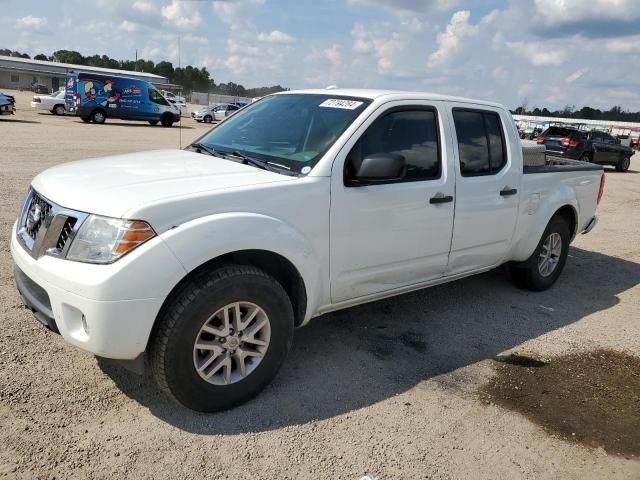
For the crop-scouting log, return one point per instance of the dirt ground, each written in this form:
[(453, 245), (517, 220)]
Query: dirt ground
[(390, 390)]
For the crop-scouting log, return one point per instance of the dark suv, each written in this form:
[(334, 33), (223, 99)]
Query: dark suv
[(589, 146)]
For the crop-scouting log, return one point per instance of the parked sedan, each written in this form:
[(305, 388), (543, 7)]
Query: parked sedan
[(594, 146), (7, 104), (217, 112), (53, 103)]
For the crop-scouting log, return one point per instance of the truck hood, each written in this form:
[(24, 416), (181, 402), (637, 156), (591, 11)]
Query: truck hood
[(113, 186)]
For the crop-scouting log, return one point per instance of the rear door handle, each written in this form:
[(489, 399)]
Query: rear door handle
[(441, 198), (505, 192)]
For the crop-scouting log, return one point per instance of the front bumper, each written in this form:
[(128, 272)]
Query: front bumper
[(7, 109), (108, 310)]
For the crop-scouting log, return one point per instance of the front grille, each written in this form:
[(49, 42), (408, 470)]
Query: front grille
[(37, 213), (65, 233), (45, 228)]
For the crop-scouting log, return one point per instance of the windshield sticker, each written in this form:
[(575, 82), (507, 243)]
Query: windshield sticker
[(305, 170), (341, 103)]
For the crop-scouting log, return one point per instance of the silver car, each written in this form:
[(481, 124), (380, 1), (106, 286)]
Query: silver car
[(217, 112)]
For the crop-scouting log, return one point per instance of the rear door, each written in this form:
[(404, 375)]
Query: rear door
[(487, 183), (601, 150)]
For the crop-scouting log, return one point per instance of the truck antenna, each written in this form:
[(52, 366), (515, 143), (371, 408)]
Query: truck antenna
[(179, 109)]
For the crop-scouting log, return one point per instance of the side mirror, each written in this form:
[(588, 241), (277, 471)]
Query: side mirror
[(379, 168)]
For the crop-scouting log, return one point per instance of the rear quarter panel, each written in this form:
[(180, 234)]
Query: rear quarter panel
[(545, 193)]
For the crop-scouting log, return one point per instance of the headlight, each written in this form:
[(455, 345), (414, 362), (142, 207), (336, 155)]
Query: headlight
[(104, 240)]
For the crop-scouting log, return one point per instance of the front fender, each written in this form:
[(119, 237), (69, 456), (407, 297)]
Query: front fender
[(199, 241), (535, 216)]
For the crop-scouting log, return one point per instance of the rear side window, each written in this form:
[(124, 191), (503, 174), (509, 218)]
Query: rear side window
[(481, 146)]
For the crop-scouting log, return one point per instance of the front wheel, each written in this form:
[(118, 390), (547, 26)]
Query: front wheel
[(167, 121), (623, 164), (545, 265), (98, 116), (207, 119), (222, 338)]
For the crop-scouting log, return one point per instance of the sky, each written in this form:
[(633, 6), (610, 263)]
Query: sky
[(546, 53)]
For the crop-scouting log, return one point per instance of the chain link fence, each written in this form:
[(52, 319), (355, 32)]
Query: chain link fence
[(201, 98)]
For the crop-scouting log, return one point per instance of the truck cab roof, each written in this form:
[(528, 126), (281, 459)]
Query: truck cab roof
[(389, 95)]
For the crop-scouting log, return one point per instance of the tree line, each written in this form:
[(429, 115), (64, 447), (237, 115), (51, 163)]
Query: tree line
[(615, 113), (192, 79)]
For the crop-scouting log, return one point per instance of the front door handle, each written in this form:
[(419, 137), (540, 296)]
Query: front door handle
[(505, 192), (441, 198)]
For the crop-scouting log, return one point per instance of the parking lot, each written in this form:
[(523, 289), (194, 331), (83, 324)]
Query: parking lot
[(393, 389)]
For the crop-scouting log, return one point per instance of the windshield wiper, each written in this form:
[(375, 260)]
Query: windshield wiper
[(264, 164), (202, 147)]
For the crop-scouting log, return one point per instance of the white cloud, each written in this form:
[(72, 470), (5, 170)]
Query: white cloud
[(555, 12), (334, 54), (181, 14), (144, 6), (539, 54), (449, 41), (577, 75), (128, 26), (195, 39), (32, 23), (277, 37), (407, 5), (235, 12), (624, 45)]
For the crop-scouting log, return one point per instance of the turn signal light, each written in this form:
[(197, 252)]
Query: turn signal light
[(135, 233)]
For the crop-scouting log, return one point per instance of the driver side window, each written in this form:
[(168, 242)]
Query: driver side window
[(156, 97), (409, 132)]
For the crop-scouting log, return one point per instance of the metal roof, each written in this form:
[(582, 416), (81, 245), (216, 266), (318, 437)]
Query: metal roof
[(86, 68)]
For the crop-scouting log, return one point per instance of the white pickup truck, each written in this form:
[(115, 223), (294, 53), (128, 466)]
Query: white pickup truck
[(203, 261)]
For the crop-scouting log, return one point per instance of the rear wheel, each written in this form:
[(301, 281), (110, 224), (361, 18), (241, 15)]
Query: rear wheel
[(153, 122), (166, 120), (98, 116), (623, 164), (59, 110), (222, 337), (545, 265)]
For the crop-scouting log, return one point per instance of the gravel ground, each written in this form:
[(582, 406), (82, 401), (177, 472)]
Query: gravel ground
[(389, 390)]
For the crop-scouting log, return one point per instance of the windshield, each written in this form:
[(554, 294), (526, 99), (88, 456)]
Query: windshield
[(293, 130)]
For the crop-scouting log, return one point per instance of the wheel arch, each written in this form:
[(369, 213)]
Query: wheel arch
[(528, 239), (274, 264)]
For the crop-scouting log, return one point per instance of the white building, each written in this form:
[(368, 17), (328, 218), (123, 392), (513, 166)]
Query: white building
[(23, 73)]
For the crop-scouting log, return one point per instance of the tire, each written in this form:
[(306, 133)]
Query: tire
[(585, 157), (98, 116), (207, 119), (166, 121), (531, 275), (153, 122), (172, 354), (58, 110), (86, 119), (623, 164)]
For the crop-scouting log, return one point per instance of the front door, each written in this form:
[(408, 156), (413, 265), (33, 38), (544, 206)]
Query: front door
[(487, 195), (387, 236)]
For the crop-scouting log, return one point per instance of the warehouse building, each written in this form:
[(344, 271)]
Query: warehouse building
[(24, 73)]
